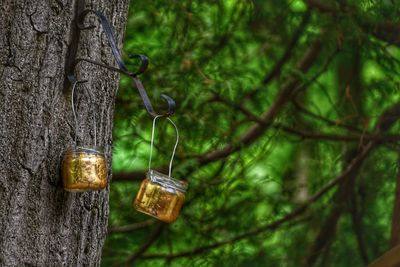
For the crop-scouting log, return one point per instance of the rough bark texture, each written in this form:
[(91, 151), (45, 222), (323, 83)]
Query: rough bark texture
[(40, 223)]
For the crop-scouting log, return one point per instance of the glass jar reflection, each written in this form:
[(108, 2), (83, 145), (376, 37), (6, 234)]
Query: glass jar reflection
[(84, 169), (161, 196)]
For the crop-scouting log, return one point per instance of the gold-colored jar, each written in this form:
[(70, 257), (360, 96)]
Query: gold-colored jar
[(161, 196), (84, 169)]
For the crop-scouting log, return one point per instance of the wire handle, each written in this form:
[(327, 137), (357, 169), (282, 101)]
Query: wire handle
[(76, 119), (152, 142)]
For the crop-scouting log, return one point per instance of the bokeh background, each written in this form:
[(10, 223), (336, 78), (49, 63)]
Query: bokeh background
[(289, 134)]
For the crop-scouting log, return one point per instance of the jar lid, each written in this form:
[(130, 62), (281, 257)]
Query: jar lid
[(166, 181), (87, 150)]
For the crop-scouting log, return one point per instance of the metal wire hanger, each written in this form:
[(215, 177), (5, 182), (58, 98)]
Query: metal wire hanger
[(76, 119), (152, 142)]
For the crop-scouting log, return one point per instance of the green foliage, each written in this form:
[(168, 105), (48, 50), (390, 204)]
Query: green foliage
[(212, 58)]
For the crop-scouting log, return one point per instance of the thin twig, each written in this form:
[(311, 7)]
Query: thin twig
[(274, 225), (267, 118), (131, 227), (154, 236), (395, 231)]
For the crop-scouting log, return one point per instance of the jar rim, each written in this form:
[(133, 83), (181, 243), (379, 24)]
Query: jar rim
[(167, 181), (85, 149)]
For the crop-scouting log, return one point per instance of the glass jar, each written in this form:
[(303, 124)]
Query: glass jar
[(84, 169), (161, 196)]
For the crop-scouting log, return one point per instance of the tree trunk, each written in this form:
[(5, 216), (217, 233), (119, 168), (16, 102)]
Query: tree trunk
[(349, 86), (40, 223)]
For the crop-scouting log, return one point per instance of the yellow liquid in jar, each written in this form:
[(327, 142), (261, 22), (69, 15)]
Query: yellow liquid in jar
[(158, 202)]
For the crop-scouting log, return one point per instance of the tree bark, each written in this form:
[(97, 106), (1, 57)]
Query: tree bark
[(40, 223)]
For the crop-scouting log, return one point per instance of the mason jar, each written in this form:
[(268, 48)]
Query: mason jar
[(161, 196), (84, 169)]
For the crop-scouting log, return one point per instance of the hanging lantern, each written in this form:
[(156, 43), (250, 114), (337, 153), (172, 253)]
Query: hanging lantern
[(84, 168), (160, 195)]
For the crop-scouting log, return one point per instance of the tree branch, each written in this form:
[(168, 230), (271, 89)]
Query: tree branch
[(273, 73), (321, 118), (204, 249), (322, 6), (389, 259), (395, 233), (356, 217), (377, 137), (276, 224), (154, 236), (386, 31), (328, 229), (314, 135), (131, 227), (289, 49), (256, 130), (387, 119), (337, 137), (267, 118)]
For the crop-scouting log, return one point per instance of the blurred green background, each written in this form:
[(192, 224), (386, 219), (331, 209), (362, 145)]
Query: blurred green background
[(314, 78)]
